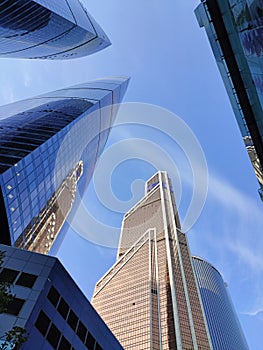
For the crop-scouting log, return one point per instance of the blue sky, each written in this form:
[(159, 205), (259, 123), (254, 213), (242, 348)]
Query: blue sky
[(169, 60)]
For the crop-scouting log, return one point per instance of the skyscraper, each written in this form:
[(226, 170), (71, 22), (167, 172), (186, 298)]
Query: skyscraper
[(53, 29), (49, 306), (223, 324), (234, 29), (149, 298), (49, 146)]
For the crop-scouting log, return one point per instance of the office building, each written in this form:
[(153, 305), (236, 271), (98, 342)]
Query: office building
[(150, 298), (48, 29), (223, 324), (234, 30), (49, 146), (49, 305)]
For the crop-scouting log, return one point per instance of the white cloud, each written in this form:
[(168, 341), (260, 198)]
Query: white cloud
[(231, 197), (254, 313)]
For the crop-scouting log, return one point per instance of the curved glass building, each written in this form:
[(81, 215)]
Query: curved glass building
[(52, 29), (49, 146), (223, 324)]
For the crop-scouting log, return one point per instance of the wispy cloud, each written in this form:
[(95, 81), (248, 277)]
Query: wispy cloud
[(247, 254), (243, 232), (231, 197), (236, 245), (254, 313)]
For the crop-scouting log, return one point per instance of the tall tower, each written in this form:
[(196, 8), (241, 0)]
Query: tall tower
[(149, 298), (48, 29), (49, 146), (224, 327), (234, 30)]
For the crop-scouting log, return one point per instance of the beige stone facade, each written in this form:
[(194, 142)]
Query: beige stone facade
[(149, 298)]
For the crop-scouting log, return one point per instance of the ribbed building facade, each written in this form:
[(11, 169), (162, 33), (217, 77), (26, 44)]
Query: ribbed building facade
[(149, 298), (49, 146), (234, 30), (223, 324), (48, 29)]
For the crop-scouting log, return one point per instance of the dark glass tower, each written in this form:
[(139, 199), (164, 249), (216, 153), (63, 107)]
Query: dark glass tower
[(150, 299), (49, 306), (223, 324), (234, 29), (49, 146), (53, 29)]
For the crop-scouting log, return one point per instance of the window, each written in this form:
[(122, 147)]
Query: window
[(64, 344), (14, 306), (63, 308), (53, 296), (53, 335), (90, 342), (8, 275), (81, 331), (42, 323), (98, 347), (26, 280), (72, 320)]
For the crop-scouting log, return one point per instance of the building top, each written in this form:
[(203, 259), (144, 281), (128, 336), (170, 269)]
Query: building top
[(206, 262), (150, 185), (48, 29)]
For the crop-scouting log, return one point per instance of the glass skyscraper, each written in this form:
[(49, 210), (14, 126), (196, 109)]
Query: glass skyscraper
[(234, 29), (52, 29), (149, 298), (223, 324), (49, 146)]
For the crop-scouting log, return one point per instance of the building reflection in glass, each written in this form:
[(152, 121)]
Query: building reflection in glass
[(46, 143)]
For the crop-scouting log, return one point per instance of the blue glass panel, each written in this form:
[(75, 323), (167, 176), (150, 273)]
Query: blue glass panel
[(48, 29)]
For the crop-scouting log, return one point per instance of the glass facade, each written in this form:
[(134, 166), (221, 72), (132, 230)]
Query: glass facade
[(149, 298), (223, 324), (47, 142), (52, 29), (234, 29), (50, 306)]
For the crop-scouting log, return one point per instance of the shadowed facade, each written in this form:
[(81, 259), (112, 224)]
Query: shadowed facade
[(234, 30)]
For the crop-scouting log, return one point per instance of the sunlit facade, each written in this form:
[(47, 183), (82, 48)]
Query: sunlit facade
[(48, 29), (49, 146), (149, 298), (223, 324), (42, 231), (234, 30)]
